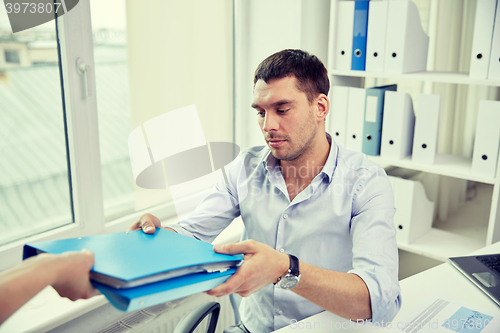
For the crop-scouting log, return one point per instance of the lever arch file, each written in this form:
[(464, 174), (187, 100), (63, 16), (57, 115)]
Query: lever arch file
[(345, 26), (494, 67), (150, 266), (485, 154), (398, 126), (375, 40), (481, 42), (360, 28), (355, 120), (426, 129), (374, 113), (338, 123)]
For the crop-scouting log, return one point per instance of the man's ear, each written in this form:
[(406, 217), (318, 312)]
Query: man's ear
[(323, 107)]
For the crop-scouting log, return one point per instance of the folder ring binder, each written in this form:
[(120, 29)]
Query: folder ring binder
[(424, 146), (485, 157), (357, 53), (391, 142)]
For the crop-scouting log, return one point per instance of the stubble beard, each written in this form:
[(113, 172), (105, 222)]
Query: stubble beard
[(292, 156)]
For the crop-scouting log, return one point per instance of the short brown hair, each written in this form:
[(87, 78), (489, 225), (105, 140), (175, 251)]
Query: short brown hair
[(310, 72)]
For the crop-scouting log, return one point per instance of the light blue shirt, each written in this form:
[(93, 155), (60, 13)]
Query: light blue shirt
[(343, 221)]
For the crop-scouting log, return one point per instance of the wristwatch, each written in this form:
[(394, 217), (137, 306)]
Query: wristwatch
[(292, 278)]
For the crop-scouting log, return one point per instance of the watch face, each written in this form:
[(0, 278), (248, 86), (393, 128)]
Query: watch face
[(289, 281)]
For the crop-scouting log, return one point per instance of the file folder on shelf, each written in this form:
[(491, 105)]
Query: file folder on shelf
[(360, 28), (494, 67), (414, 211), (375, 41), (398, 126), (426, 129), (374, 113), (153, 267), (486, 144), (345, 27), (481, 42), (406, 42), (338, 123), (355, 119)]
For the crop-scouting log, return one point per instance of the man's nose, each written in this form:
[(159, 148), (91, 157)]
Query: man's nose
[(270, 122)]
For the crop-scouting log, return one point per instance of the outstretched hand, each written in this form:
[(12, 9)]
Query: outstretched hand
[(262, 265), (72, 275)]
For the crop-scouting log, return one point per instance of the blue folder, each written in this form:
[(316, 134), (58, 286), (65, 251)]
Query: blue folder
[(372, 127), (134, 270), (360, 30)]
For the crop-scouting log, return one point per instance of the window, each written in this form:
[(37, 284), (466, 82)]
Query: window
[(130, 65), (12, 57), (34, 183)]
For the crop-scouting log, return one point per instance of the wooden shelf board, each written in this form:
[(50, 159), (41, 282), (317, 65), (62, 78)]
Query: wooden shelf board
[(440, 245), (446, 165), (445, 77)]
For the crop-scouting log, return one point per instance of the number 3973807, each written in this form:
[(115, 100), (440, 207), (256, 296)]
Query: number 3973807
[(27, 7)]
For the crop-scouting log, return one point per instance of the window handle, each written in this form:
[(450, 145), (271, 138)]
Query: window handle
[(85, 72)]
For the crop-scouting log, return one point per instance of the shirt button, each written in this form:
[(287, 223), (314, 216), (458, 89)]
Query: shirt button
[(280, 312), (285, 216), (282, 250)]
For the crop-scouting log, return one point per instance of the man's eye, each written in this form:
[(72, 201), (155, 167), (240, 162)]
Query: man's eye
[(282, 111), (261, 113)]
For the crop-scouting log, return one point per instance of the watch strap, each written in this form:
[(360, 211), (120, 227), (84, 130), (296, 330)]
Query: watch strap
[(294, 265)]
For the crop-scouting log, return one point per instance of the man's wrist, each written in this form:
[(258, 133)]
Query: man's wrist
[(283, 267)]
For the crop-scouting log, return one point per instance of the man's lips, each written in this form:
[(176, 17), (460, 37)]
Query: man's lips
[(276, 142)]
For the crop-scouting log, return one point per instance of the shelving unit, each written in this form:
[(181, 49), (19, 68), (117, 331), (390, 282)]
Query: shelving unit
[(444, 165), (452, 237), (443, 77)]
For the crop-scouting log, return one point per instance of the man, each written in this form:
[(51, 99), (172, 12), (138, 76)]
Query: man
[(301, 196)]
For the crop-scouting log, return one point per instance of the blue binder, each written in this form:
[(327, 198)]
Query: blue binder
[(135, 270), (373, 118), (360, 30)]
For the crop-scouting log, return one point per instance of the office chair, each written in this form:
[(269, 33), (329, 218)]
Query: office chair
[(192, 319)]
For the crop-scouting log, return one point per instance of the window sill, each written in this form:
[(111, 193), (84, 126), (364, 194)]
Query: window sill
[(47, 310)]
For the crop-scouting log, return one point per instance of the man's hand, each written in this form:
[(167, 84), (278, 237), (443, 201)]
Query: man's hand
[(148, 224), (71, 275), (263, 265)]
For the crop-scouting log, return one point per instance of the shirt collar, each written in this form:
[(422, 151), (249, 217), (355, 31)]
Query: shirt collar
[(270, 162)]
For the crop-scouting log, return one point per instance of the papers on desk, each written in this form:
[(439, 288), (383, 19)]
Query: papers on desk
[(443, 314)]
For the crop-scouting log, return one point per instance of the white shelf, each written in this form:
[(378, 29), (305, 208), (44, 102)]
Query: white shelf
[(463, 232), (446, 165), (446, 77), (440, 245)]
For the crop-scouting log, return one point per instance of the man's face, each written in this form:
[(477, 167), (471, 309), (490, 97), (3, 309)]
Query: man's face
[(286, 118)]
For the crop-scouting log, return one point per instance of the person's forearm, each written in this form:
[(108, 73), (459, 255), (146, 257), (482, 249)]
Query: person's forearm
[(19, 284), (341, 293)]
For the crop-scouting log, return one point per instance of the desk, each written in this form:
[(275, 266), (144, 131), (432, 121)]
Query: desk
[(442, 280)]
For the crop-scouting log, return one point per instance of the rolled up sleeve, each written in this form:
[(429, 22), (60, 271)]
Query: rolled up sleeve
[(375, 251)]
